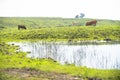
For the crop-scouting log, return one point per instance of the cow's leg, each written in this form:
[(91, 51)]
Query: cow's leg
[(18, 28), (95, 24)]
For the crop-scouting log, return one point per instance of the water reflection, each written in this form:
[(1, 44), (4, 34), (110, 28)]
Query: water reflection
[(94, 56)]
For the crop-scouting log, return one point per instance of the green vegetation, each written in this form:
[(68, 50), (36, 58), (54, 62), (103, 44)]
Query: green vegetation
[(10, 59), (58, 29), (52, 29), (63, 33), (38, 22)]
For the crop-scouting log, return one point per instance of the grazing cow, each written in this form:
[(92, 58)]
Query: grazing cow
[(91, 23), (21, 27), (75, 23)]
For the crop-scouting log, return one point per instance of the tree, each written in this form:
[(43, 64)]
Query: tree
[(77, 16), (82, 15)]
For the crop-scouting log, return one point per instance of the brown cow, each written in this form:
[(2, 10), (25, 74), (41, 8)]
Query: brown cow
[(91, 23), (21, 27)]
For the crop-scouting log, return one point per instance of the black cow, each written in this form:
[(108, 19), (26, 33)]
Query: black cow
[(21, 27)]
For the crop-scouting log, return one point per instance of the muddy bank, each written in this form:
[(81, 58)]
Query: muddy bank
[(30, 74)]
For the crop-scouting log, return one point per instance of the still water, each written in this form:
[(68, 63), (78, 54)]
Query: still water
[(105, 56)]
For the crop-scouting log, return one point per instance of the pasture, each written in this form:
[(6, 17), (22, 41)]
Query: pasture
[(52, 30), (58, 29)]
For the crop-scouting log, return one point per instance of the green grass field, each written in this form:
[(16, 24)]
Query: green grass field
[(58, 29), (81, 33), (53, 29), (36, 22)]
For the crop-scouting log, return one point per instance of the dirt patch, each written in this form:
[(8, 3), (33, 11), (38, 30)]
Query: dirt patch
[(31, 74)]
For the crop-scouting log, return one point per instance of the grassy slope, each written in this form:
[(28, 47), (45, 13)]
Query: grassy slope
[(58, 28), (12, 22)]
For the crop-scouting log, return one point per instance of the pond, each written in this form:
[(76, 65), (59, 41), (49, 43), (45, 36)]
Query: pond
[(99, 56)]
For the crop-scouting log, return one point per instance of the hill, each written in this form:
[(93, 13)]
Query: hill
[(38, 22)]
